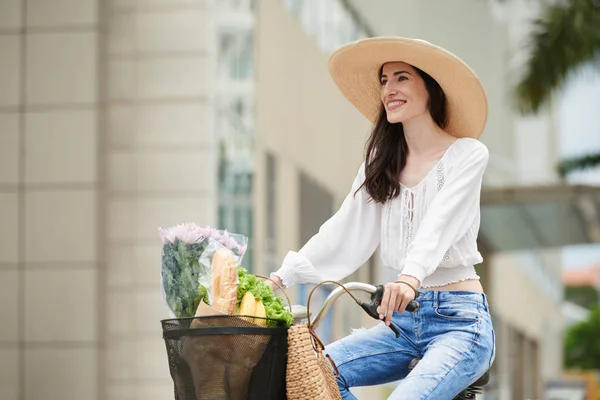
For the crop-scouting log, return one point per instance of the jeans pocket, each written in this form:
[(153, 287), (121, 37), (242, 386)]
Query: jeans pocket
[(458, 312)]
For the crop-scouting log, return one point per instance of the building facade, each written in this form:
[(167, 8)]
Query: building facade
[(119, 117)]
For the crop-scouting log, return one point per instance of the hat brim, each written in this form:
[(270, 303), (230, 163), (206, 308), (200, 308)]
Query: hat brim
[(355, 68)]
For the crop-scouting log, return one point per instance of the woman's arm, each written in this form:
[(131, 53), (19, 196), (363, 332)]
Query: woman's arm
[(344, 242)]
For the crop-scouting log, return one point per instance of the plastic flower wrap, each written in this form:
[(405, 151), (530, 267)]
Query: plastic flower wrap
[(183, 246)]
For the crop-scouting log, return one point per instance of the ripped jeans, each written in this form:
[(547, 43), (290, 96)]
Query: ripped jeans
[(452, 332)]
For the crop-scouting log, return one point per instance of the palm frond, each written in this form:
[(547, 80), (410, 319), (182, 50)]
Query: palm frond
[(569, 165), (565, 38)]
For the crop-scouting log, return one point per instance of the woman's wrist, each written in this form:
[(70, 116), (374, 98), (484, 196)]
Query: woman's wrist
[(410, 281), (278, 281)]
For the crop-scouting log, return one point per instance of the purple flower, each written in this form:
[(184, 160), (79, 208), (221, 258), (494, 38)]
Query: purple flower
[(231, 243), (192, 233), (187, 233)]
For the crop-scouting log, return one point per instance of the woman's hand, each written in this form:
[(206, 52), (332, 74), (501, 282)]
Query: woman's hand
[(275, 282), (396, 297)]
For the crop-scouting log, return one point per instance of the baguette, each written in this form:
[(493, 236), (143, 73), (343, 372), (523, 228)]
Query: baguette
[(224, 281)]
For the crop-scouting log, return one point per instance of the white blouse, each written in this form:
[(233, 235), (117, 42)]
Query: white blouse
[(428, 232)]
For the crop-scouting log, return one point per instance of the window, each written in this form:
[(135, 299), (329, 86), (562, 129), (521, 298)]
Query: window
[(235, 60), (271, 212), (332, 22), (235, 5), (234, 118)]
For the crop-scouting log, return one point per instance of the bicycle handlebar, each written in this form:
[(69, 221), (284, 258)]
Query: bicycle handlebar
[(370, 307)]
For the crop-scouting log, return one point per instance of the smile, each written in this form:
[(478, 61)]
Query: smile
[(392, 105)]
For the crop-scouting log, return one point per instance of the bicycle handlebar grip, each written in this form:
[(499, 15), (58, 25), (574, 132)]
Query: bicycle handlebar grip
[(412, 305), (371, 307)]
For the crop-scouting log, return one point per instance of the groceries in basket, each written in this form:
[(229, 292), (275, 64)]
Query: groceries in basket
[(201, 274), (229, 328)]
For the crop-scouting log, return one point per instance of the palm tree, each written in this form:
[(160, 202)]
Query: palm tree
[(566, 37)]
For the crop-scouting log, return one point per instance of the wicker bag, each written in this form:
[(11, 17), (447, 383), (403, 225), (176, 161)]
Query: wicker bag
[(310, 374)]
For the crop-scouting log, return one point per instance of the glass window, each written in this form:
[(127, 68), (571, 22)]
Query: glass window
[(238, 220), (222, 216), (235, 51), (296, 6), (271, 212), (331, 22), (235, 5), (234, 119), (337, 13), (307, 16)]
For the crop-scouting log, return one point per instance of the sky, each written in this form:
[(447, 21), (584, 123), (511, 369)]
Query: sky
[(575, 257), (578, 119), (578, 127)]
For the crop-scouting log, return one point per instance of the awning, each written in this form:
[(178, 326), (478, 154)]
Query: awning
[(527, 217)]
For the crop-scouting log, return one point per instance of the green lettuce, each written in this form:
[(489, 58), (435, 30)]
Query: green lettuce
[(274, 306)]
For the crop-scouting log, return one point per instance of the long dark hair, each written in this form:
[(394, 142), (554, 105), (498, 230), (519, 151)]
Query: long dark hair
[(386, 149)]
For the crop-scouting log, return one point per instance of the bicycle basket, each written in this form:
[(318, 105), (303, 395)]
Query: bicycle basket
[(225, 357)]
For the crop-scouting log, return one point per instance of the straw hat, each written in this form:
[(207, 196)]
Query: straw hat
[(355, 69)]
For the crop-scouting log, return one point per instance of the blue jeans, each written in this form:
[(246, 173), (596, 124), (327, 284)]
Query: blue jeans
[(452, 332)]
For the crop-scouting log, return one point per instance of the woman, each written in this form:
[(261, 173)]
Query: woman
[(417, 196)]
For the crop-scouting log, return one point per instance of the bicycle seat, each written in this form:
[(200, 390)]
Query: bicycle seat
[(482, 381)]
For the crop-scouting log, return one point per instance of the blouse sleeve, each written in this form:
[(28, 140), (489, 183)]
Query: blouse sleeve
[(450, 215), (343, 243)]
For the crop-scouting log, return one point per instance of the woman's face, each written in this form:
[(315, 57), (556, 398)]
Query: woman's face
[(403, 92)]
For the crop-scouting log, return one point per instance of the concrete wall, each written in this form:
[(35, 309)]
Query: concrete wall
[(105, 135), (50, 339), (159, 159)]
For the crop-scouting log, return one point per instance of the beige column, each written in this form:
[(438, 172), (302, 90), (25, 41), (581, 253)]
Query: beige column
[(160, 171), (49, 341)]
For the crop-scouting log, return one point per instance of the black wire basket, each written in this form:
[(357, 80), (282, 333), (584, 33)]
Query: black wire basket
[(226, 357)]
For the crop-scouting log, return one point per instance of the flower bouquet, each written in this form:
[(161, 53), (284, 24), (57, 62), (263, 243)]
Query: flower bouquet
[(183, 247)]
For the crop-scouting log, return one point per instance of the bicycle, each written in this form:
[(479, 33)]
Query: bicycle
[(370, 307), (225, 357)]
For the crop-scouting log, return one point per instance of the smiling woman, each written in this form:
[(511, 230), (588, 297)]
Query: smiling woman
[(417, 196)]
